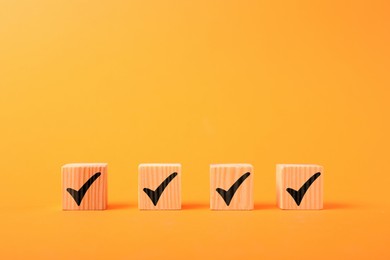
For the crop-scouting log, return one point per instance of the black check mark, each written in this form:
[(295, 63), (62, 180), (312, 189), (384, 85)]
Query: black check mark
[(227, 196), (155, 195), (298, 195), (79, 195)]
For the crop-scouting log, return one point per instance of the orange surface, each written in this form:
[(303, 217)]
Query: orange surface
[(195, 82)]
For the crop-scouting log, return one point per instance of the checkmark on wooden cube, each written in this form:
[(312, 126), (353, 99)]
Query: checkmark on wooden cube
[(299, 186), (84, 186), (159, 186), (231, 187)]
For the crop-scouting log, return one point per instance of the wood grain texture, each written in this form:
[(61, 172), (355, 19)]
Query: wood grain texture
[(294, 176), (224, 176), (151, 176), (74, 176)]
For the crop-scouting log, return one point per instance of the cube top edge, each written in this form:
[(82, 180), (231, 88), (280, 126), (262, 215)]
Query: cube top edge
[(80, 165), (216, 165), (159, 165), (281, 165)]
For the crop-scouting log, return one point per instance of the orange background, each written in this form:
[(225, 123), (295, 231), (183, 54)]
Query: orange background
[(195, 82)]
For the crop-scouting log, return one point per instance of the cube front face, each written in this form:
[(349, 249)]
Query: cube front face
[(84, 186), (299, 186), (231, 187), (159, 186)]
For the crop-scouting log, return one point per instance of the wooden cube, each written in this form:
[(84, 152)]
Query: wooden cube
[(159, 186), (84, 186), (231, 187), (299, 186)]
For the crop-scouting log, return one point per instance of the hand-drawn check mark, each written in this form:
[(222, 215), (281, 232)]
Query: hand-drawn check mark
[(79, 195), (298, 195), (155, 195), (227, 196)]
